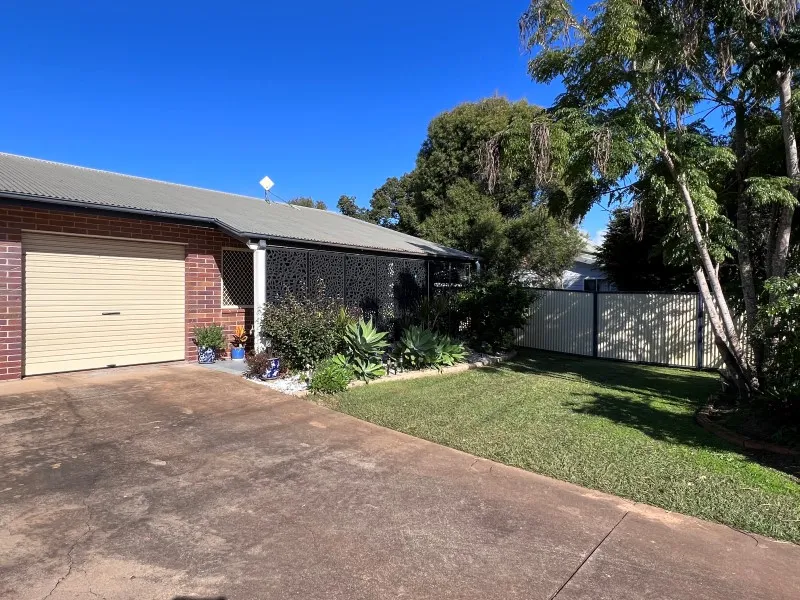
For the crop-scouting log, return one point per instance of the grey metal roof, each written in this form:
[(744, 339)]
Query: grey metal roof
[(34, 179)]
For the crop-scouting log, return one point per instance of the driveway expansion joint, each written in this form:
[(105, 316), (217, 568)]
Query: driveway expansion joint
[(585, 560)]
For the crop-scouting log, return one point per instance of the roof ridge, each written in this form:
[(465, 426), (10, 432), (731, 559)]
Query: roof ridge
[(107, 172)]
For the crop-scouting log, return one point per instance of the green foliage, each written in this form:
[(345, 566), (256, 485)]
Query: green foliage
[(641, 79), (364, 347), (492, 308), (640, 264), (452, 198), (304, 329), (331, 376), (364, 341), (348, 207), (766, 191), (449, 351), (308, 203), (367, 369), (419, 348), (209, 336), (258, 364), (416, 348), (781, 315)]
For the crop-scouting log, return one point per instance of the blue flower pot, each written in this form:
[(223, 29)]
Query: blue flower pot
[(274, 369), (206, 356), (237, 353)]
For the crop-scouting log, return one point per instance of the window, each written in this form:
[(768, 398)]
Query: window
[(237, 278), (595, 285)]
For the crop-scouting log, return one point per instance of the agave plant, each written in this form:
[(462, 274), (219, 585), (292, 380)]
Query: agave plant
[(364, 341), (367, 369), (420, 348), (417, 347), (449, 352)]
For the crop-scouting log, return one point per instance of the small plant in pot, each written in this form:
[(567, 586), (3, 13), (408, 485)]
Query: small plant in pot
[(209, 339), (238, 342), (263, 365)]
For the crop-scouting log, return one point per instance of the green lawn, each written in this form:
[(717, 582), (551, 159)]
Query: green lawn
[(620, 428)]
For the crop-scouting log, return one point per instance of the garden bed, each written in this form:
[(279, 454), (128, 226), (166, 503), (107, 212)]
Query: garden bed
[(295, 385), (474, 360)]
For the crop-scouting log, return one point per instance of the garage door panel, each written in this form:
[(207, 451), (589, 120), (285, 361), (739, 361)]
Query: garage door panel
[(81, 334), (70, 281), (75, 245), (103, 301), (77, 364), (113, 348)]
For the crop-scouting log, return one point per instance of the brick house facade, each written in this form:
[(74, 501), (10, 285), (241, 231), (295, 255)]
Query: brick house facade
[(203, 281)]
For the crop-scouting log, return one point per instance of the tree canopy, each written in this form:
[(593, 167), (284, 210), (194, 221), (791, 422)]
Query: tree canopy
[(475, 188), (308, 203), (636, 260)]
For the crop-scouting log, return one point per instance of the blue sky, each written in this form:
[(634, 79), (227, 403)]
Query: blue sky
[(325, 98)]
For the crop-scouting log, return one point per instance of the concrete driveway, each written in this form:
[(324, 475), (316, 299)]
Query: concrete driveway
[(175, 481)]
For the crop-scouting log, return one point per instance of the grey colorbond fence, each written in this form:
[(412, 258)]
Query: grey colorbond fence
[(665, 329)]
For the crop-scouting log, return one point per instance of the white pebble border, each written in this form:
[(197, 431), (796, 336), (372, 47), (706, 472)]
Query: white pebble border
[(294, 386)]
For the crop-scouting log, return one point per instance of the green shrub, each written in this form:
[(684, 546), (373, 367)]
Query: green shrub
[(304, 329), (258, 364), (209, 336), (331, 376), (490, 309), (781, 318)]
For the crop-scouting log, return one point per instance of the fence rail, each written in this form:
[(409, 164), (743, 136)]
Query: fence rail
[(666, 329)]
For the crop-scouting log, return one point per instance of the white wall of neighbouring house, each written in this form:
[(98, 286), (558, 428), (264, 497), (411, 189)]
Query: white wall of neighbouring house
[(574, 277)]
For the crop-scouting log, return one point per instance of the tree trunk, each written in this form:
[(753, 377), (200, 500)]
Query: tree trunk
[(736, 371), (730, 335), (783, 228), (746, 273)]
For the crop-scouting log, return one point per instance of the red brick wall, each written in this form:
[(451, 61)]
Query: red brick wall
[(203, 260)]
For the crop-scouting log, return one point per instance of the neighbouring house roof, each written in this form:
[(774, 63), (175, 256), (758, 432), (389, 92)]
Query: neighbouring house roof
[(246, 217), (589, 255)]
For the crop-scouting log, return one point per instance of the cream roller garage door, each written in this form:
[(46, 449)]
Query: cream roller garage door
[(98, 302)]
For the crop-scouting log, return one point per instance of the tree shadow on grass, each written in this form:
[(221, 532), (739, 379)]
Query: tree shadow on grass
[(686, 388), (659, 402)]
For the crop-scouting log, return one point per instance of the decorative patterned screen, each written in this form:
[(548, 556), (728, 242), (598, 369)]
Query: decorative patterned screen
[(287, 272), (383, 287), (326, 269), (389, 270), (360, 282), (237, 278)]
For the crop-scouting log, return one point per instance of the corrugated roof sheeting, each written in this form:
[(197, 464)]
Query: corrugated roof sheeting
[(254, 217)]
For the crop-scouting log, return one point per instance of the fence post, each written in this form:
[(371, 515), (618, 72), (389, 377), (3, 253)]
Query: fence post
[(700, 328), (595, 320)]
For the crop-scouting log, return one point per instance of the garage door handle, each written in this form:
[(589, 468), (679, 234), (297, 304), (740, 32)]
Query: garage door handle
[(111, 313)]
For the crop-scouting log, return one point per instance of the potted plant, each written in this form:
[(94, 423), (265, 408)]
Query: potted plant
[(239, 339), (263, 365), (209, 339)]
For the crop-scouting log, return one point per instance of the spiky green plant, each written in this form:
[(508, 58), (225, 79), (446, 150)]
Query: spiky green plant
[(364, 341)]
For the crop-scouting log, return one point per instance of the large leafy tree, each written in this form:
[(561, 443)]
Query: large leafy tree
[(640, 78), (476, 188)]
